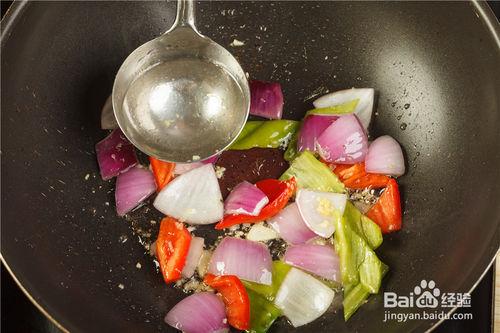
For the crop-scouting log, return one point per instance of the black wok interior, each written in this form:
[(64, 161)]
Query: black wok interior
[(434, 65)]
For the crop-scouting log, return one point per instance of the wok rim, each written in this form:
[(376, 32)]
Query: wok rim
[(16, 9)]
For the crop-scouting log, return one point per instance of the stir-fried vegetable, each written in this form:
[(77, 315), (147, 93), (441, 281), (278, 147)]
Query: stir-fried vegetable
[(132, 188), (193, 257), (343, 142), (321, 211), (359, 265), (311, 129), (265, 134), (172, 247), (278, 193), (235, 299), (115, 155), (280, 270), (246, 199), (193, 197), (385, 157), (163, 172), (355, 296), (291, 151), (252, 290), (246, 259), (266, 99), (387, 210), (263, 313), (354, 176), (364, 97), (334, 110), (302, 298), (368, 230), (312, 174), (320, 260), (199, 313), (291, 226), (358, 262)]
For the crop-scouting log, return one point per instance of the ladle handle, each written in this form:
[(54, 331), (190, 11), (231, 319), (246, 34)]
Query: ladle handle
[(185, 14)]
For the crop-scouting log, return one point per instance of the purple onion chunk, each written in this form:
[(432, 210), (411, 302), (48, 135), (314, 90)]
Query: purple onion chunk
[(320, 260), (199, 313), (132, 188), (312, 127), (344, 141), (115, 154), (266, 99)]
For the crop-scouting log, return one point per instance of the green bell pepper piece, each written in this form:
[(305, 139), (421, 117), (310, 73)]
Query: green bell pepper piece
[(355, 296), (265, 134), (280, 270), (312, 174), (249, 127), (363, 226), (345, 108), (358, 262), (353, 299), (262, 313), (291, 151)]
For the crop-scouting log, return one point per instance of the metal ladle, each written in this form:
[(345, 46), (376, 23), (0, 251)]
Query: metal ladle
[(181, 97)]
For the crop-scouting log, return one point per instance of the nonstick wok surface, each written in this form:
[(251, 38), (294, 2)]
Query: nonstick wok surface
[(435, 67)]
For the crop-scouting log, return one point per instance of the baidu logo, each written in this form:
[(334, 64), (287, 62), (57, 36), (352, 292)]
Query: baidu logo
[(426, 295)]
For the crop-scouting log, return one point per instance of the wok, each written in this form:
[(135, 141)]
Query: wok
[(435, 66)]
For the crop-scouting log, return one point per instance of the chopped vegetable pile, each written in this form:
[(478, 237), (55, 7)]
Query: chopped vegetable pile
[(302, 207)]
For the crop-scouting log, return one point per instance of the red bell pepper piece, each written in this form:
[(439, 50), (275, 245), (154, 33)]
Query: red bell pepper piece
[(235, 298), (387, 210), (163, 172), (354, 176), (172, 247), (278, 192)]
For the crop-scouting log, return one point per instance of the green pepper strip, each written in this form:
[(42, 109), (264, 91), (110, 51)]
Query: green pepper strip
[(280, 270), (265, 134), (291, 151), (262, 313), (363, 226), (355, 296), (360, 268)]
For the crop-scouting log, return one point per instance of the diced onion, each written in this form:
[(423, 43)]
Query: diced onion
[(246, 199), (321, 210), (246, 259), (312, 127), (193, 197), (193, 257), (320, 260), (385, 157), (343, 142), (290, 225), (115, 154), (364, 108), (133, 187), (302, 298), (266, 99), (199, 313)]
